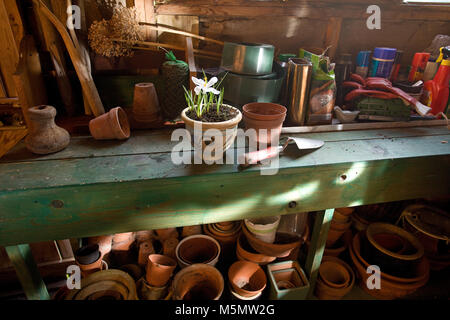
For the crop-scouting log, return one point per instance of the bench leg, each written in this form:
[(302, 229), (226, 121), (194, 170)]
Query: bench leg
[(318, 240), (27, 272)]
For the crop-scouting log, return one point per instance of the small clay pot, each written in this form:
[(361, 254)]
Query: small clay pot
[(44, 135), (245, 252), (145, 249), (191, 230), (104, 243), (325, 292), (159, 269), (198, 249), (111, 125), (265, 116), (169, 247), (167, 233), (198, 282), (247, 279), (334, 274), (284, 243), (146, 112)]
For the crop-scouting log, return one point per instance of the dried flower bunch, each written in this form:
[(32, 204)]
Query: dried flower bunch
[(124, 25)]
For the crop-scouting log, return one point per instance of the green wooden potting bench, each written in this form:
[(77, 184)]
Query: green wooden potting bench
[(103, 187)]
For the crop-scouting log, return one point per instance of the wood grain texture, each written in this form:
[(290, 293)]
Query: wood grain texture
[(88, 194), (9, 138), (9, 53)]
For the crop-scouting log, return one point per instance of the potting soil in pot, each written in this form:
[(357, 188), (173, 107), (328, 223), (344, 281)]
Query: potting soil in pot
[(225, 113)]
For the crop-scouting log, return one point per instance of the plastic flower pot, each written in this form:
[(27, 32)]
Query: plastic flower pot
[(159, 269), (111, 125), (266, 119)]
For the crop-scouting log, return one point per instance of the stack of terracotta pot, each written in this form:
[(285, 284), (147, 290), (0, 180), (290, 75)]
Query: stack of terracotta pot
[(247, 280), (197, 249), (226, 233), (89, 259), (336, 279), (398, 254), (340, 225), (267, 242)]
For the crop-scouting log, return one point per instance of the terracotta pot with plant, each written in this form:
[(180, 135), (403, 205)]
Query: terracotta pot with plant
[(206, 111)]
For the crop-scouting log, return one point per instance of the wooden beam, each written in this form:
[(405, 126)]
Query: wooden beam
[(191, 61), (9, 54), (27, 272), (146, 11)]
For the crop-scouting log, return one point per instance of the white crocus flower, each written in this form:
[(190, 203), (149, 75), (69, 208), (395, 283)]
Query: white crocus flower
[(205, 85)]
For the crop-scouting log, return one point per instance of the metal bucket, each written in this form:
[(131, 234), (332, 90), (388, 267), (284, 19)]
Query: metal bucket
[(298, 83), (248, 58)]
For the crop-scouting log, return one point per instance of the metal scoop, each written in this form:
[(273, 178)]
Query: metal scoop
[(271, 152)]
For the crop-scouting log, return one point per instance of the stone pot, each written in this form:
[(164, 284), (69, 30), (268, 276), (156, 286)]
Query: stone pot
[(265, 116), (284, 243), (228, 130), (111, 125), (198, 249), (399, 251), (159, 269), (391, 287), (246, 278), (198, 282), (146, 112), (245, 252), (264, 228), (44, 135)]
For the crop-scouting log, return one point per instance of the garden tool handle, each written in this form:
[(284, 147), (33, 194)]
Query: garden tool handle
[(256, 156)]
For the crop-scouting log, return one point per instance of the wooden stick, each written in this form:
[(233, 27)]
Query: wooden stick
[(87, 83), (184, 33), (363, 126)]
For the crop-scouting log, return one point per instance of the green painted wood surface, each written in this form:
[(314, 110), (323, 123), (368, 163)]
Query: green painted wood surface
[(27, 272), (97, 187), (322, 224)]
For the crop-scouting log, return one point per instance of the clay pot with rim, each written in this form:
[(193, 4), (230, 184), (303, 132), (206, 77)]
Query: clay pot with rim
[(324, 291), (334, 274), (44, 135), (245, 252), (264, 228), (198, 249), (159, 269), (247, 279), (198, 282), (228, 130), (111, 125), (398, 252), (284, 243), (146, 112), (147, 292), (265, 116), (89, 259), (226, 235), (391, 287)]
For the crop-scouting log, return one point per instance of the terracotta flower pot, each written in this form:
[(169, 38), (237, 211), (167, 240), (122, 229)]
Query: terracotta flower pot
[(104, 243), (44, 135), (198, 282), (264, 228), (145, 249), (111, 125), (147, 292), (226, 237), (247, 278), (89, 259), (159, 269), (227, 128), (326, 292), (284, 243), (395, 258), (167, 233), (123, 241), (198, 249), (169, 247), (245, 252), (146, 112), (265, 116), (191, 230), (391, 287), (334, 274), (144, 235)]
